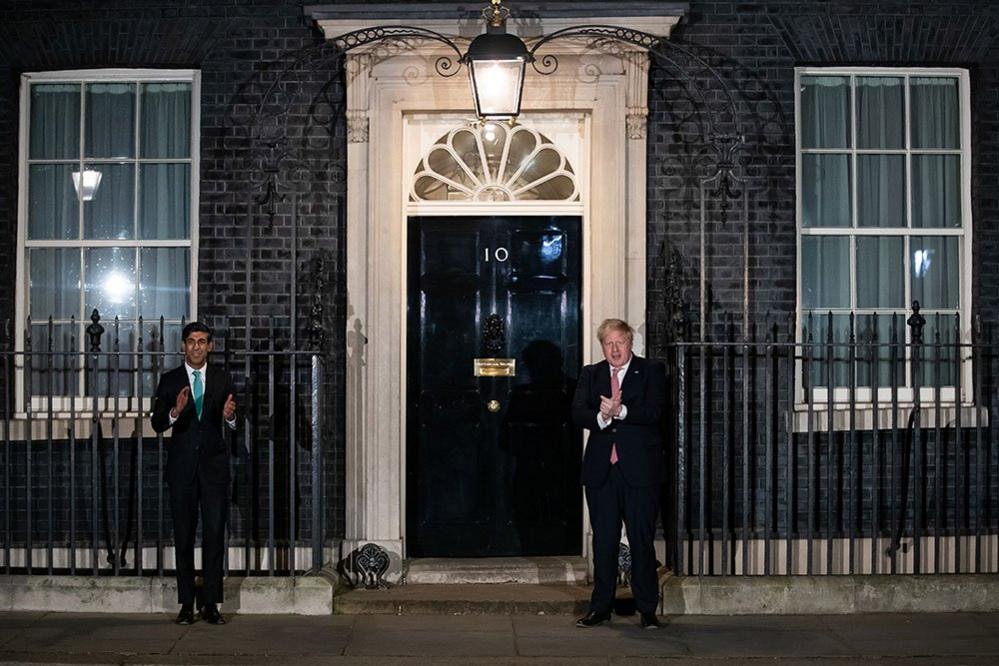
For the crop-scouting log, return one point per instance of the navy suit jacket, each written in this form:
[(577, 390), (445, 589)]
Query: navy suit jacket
[(196, 445), (638, 436)]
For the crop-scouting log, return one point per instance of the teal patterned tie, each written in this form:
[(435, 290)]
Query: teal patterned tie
[(198, 391)]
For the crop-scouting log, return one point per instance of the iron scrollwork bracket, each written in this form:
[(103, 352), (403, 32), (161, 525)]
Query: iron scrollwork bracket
[(367, 566)]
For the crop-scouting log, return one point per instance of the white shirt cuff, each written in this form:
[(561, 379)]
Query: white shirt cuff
[(623, 414), (601, 422)]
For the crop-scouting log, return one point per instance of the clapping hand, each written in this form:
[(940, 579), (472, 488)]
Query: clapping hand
[(229, 410), (181, 402), (610, 407)]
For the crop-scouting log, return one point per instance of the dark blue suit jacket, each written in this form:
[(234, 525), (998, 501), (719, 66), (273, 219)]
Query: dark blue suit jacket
[(638, 436), (195, 445)]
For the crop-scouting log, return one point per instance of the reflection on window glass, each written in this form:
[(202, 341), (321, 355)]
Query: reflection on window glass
[(935, 271), (110, 282), (107, 160), (881, 167)]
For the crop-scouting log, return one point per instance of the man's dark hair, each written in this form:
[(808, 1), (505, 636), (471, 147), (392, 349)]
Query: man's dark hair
[(195, 327)]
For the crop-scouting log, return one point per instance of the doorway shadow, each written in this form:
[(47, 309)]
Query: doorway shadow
[(546, 452)]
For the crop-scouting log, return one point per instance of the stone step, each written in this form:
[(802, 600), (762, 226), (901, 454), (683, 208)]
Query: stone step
[(496, 570), (468, 599)]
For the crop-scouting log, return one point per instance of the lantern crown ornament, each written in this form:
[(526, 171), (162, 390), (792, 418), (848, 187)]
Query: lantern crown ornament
[(497, 62)]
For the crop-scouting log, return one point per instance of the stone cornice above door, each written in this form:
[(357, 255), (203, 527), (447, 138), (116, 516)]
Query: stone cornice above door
[(463, 21)]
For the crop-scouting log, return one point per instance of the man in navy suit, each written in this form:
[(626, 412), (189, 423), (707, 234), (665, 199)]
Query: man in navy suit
[(620, 401), (195, 402)]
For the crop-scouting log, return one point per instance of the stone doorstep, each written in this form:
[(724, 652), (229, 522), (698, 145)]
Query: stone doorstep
[(495, 570), (302, 595), (466, 599)]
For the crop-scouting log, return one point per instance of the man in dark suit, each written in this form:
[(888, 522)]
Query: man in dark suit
[(195, 401), (620, 401)]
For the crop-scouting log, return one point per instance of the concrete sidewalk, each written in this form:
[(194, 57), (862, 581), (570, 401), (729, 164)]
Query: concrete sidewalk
[(954, 638)]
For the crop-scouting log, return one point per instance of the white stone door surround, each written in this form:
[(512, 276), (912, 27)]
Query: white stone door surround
[(607, 85)]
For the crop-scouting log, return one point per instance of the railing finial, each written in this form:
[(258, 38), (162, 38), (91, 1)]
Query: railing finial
[(916, 322), (95, 331)]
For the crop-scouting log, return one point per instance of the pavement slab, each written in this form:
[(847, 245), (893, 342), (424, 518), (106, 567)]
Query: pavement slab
[(757, 636), (281, 636), (954, 639), (96, 632), (915, 635), (558, 636)]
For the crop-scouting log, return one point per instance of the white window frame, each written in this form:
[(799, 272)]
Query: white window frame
[(61, 404), (863, 396)]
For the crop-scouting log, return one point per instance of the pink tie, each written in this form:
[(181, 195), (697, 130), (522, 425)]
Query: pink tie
[(615, 387)]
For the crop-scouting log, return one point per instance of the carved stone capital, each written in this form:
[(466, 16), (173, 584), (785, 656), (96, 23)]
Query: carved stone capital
[(637, 123), (357, 127)]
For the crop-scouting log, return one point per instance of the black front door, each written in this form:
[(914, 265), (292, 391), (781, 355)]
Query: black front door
[(493, 461)]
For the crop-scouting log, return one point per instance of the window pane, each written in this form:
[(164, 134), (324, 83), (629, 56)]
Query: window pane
[(880, 190), (164, 288), (880, 112), (825, 272), (54, 283), (825, 112), (110, 214), (165, 201), (931, 356), (110, 120), (936, 122), (55, 121), (936, 271), (58, 373), (53, 211), (816, 330), (161, 352), (874, 349), (880, 272), (936, 191), (116, 373), (825, 191), (166, 120), (110, 282)]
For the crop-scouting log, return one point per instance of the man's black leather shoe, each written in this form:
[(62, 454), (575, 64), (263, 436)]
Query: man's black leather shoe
[(592, 619), (210, 614), (650, 621), (186, 614)]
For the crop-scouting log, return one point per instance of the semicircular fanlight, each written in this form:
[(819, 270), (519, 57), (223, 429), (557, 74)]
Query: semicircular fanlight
[(494, 162)]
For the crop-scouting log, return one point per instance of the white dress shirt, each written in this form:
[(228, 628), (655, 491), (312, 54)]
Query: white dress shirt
[(622, 373), (204, 388)]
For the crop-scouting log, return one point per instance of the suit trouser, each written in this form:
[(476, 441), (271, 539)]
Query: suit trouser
[(609, 504), (213, 501)]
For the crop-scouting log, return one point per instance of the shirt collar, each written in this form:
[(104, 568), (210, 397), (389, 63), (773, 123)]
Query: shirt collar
[(190, 370)]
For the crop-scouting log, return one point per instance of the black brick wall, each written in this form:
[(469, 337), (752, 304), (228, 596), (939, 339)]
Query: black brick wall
[(241, 45)]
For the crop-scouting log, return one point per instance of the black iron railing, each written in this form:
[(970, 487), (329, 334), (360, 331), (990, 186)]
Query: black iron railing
[(865, 447), (83, 485)]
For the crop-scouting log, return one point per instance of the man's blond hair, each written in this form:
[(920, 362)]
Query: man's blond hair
[(619, 325)]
